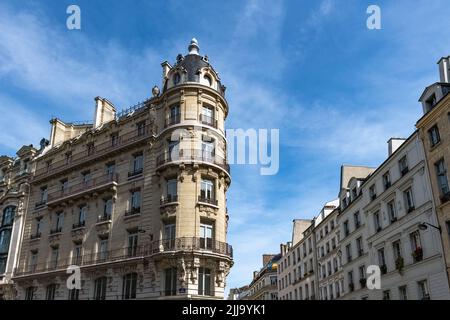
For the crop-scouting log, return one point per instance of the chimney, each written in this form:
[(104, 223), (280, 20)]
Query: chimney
[(104, 111), (444, 69), (394, 144)]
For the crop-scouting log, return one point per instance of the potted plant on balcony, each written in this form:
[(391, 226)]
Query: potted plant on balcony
[(399, 264), (417, 254)]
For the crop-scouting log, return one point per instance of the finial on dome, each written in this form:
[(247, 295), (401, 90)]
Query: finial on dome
[(193, 47)]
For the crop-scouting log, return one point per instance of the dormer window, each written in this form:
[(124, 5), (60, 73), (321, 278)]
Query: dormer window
[(430, 102), (176, 78), (208, 80)]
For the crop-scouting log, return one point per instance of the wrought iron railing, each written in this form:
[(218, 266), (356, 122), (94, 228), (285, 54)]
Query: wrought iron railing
[(192, 155)]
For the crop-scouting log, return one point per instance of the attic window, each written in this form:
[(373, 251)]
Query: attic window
[(176, 78), (208, 79), (431, 101)]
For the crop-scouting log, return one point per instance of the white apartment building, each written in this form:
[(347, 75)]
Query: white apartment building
[(352, 223), (400, 216), (329, 271)]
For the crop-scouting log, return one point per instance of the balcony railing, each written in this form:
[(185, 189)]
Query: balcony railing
[(169, 199), (56, 230), (135, 252), (172, 120), (207, 200), (82, 188), (133, 211), (40, 203), (192, 155), (104, 218), (95, 152), (79, 224), (135, 172), (209, 121), (35, 236)]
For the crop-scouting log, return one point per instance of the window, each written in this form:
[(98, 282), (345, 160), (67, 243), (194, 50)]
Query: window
[(114, 139), (333, 243), (386, 180), (362, 276), (174, 115), (110, 170), (135, 201), (206, 236), (68, 157), (64, 186), (354, 193), (5, 237), (82, 215), (86, 177), (382, 260), (391, 210), (447, 223), (328, 247), (348, 251), (43, 195), (29, 293), (140, 128), (90, 148), (103, 249), (350, 280), (396, 246), (372, 192), (403, 293), (50, 292), (169, 235), (423, 290), (434, 136), (129, 286), (132, 243), (416, 247), (377, 221), (409, 201), (207, 190), (176, 78), (138, 162), (403, 166), (346, 228), (207, 151), (77, 254), (357, 220), (54, 257), (326, 229), (39, 225), (208, 80), (441, 172), (207, 115), (170, 283), (59, 222), (100, 288), (74, 294), (33, 261), (387, 295), (8, 216), (359, 246), (107, 208), (172, 190)]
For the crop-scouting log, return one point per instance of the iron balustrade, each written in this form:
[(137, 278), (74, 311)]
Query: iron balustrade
[(209, 121), (80, 224), (131, 253), (56, 230), (82, 187), (133, 211), (172, 120), (169, 199), (95, 152), (192, 155), (207, 200)]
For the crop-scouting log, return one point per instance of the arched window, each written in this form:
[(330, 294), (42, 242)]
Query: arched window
[(8, 216), (5, 237)]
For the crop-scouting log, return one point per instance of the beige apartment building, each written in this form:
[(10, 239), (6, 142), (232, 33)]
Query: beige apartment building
[(15, 175), (434, 131), (264, 283), (136, 199)]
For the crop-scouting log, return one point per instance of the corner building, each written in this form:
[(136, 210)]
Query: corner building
[(136, 199)]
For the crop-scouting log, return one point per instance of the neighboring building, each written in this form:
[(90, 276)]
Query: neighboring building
[(410, 259), (264, 284), (238, 293), (353, 232), (137, 199), (15, 174), (329, 271), (434, 131)]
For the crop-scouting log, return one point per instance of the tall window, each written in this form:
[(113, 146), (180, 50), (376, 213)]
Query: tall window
[(169, 235), (381, 257), (416, 246), (387, 295), (129, 286), (136, 200), (39, 225), (43, 195), (207, 150), (208, 115), (403, 293), (372, 192), (348, 251), (350, 277), (29, 293), (33, 261), (59, 221), (170, 283), (204, 281), (359, 246), (86, 177), (403, 165), (441, 172), (100, 288), (140, 128), (409, 201), (114, 139), (138, 163), (64, 186), (110, 169), (5, 237), (377, 221), (50, 292), (424, 294), (434, 136), (346, 228), (206, 236), (357, 219), (77, 254), (82, 215), (172, 190), (3, 264), (74, 294), (103, 249), (207, 190), (54, 257), (90, 148), (107, 208), (132, 243), (396, 246), (392, 211), (386, 180)]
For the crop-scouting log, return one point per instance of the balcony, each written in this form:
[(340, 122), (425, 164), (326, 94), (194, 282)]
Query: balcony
[(35, 236), (126, 254), (175, 119), (133, 211), (209, 121), (81, 189), (192, 155), (404, 171), (40, 204), (135, 173), (104, 218), (207, 200), (79, 225), (55, 231), (94, 153), (169, 199)]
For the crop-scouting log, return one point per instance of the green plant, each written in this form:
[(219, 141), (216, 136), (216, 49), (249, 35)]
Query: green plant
[(400, 264)]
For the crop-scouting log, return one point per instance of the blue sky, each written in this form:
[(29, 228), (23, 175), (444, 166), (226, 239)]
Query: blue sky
[(336, 90)]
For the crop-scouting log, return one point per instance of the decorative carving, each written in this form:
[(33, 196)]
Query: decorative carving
[(182, 274), (103, 228), (168, 211), (209, 210)]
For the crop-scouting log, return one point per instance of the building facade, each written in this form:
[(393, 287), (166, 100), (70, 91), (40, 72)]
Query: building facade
[(401, 203), (136, 199), (434, 131), (264, 284), (15, 174)]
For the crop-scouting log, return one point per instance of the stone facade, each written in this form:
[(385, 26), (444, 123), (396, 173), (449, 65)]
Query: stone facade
[(136, 199)]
